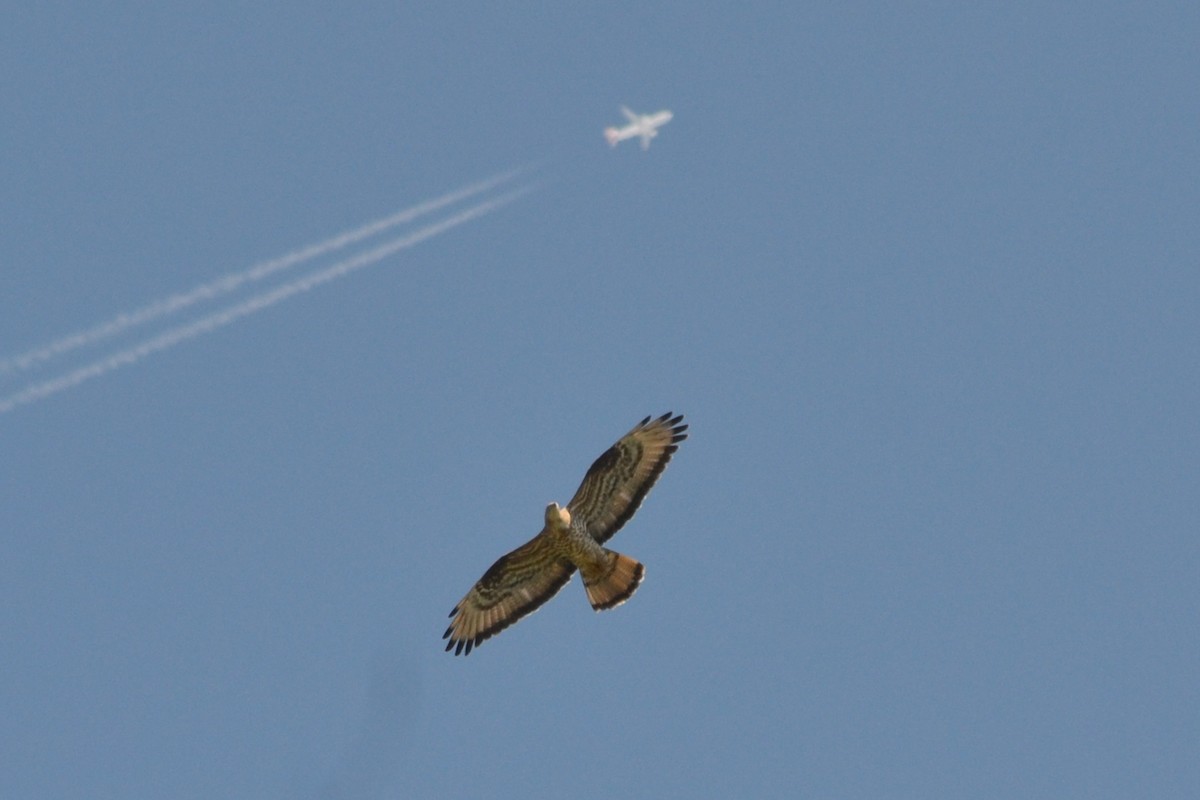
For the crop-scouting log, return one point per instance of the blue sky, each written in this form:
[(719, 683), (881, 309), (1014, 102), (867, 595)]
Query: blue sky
[(924, 281)]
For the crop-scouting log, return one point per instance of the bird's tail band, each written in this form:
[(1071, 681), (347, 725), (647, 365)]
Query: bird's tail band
[(615, 583)]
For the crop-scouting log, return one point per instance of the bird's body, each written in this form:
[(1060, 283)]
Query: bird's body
[(572, 538), (570, 541)]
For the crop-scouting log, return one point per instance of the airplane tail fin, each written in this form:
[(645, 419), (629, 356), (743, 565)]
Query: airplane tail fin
[(612, 136), (613, 583)]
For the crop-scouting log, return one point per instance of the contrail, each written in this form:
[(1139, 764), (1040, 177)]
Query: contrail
[(232, 281), (257, 303)]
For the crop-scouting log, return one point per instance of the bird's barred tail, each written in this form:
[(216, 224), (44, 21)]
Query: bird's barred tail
[(615, 583)]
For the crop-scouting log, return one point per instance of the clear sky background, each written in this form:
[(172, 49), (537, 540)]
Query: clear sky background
[(923, 278)]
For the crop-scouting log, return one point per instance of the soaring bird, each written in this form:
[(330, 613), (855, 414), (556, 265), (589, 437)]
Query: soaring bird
[(572, 538)]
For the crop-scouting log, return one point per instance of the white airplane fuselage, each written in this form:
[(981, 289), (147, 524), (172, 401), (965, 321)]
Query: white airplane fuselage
[(642, 125)]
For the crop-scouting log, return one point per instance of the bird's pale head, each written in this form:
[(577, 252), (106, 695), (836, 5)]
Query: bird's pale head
[(557, 516)]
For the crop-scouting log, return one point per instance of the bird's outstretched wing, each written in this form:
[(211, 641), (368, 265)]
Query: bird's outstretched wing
[(618, 481), (516, 585)]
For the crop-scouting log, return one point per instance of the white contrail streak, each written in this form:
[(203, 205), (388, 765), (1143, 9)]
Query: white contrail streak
[(257, 303), (232, 281)]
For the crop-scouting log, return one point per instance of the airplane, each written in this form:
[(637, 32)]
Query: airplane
[(643, 125)]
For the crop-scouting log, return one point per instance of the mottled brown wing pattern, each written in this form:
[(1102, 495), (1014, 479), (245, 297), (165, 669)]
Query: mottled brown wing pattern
[(618, 481), (516, 585)]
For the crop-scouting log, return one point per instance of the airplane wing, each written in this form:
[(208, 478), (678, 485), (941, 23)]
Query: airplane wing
[(632, 117)]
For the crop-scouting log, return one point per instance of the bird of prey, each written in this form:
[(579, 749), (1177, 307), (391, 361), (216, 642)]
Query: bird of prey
[(611, 492)]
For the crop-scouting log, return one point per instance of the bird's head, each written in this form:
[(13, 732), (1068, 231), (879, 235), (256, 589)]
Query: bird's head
[(557, 516)]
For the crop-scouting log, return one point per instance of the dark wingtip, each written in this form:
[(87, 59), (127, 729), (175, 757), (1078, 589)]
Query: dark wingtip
[(672, 420)]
